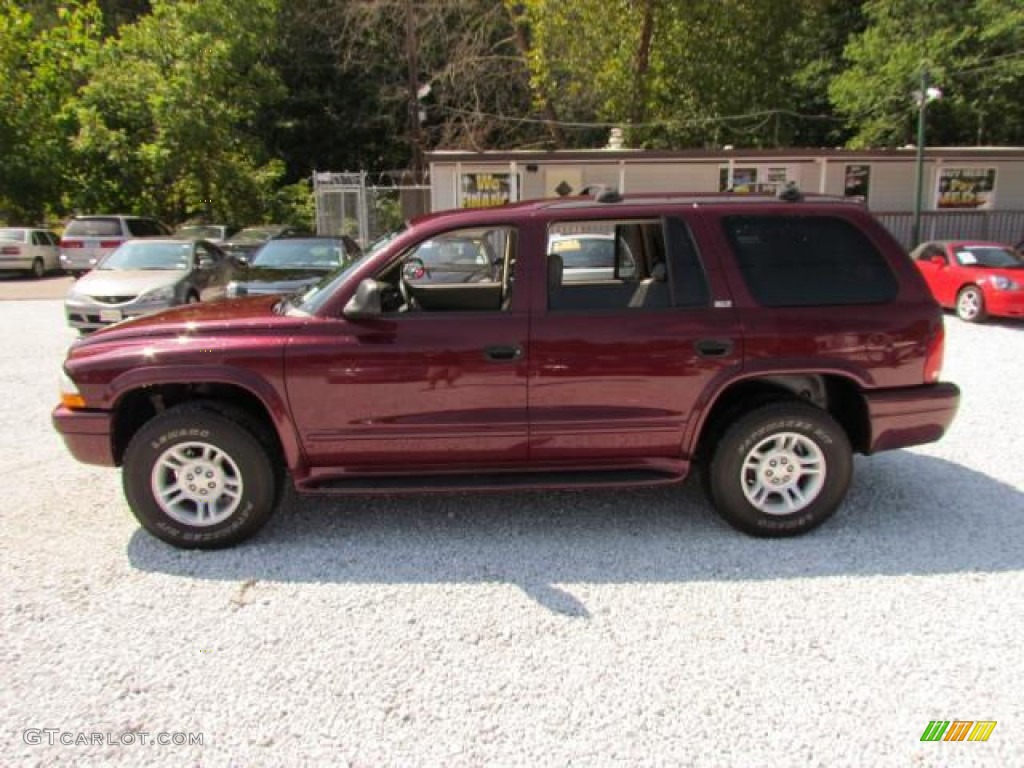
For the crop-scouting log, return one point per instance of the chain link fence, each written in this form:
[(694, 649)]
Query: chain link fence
[(365, 206)]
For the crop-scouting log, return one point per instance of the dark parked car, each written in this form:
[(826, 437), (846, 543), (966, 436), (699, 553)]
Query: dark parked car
[(975, 278), (764, 340), (243, 244), (291, 264)]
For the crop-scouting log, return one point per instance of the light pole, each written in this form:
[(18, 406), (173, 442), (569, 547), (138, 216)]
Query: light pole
[(922, 97)]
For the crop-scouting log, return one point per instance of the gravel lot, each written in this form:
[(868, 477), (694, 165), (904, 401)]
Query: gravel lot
[(612, 628)]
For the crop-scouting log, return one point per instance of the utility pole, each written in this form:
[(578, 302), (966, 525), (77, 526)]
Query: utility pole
[(412, 59), (922, 101)]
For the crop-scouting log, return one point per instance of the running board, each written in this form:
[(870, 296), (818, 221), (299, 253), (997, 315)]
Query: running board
[(488, 481)]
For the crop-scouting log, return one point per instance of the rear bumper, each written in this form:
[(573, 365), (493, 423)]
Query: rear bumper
[(913, 416), (87, 434)]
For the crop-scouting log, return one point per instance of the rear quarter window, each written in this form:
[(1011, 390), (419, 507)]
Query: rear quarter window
[(804, 261)]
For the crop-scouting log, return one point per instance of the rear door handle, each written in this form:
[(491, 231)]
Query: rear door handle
[(713, 347), (503, 353)]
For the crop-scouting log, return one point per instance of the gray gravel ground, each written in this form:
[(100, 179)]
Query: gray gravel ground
[(586, 629)]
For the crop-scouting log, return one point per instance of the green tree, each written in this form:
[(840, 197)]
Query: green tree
[(42, 63), (166, 123), (970, 50), (677, 72)]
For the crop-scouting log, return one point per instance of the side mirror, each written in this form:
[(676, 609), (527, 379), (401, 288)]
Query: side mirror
[(365, 304)]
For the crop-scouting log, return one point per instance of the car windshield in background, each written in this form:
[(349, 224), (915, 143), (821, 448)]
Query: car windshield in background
[(314, 297), (989, 256), (94, 228), (453, 251), (256, 234), (201, 233), (17, 235), (149, 256), (289, 254), (585, 252)]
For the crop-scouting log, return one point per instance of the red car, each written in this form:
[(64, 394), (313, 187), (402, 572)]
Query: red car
[(977, 279)]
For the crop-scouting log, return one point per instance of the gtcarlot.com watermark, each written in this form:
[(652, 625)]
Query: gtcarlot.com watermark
[(54, 736)]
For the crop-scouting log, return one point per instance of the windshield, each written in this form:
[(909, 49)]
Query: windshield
[(17, 235), (313, 298), (585, 252), (94, 228), (257, 234), (989, 256), (293, 254), (200, 232), (176, 256)]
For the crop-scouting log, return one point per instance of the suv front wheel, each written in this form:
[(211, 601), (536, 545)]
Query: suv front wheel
[(197, 478), (780, 470)]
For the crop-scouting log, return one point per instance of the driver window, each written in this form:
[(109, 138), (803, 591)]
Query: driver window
[(462, 270)]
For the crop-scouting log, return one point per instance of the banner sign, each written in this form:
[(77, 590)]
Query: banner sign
[(966, 188), (483, 190)]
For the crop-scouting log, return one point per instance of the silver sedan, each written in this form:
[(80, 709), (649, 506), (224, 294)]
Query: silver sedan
[(145, 276)]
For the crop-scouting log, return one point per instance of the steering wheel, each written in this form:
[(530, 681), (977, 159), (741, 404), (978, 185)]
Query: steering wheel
[(413, 269)]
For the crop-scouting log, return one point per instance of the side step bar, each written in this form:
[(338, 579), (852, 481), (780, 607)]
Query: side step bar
[(488, 481)]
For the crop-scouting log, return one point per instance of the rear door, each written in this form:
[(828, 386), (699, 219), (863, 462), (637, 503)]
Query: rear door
[(618, 365)]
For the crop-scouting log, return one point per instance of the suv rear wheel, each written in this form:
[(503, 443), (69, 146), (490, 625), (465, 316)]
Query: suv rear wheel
[(198, 479), (780, 470)]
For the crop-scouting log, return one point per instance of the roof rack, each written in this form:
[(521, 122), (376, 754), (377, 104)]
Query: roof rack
[(790, 193), (602, 193)]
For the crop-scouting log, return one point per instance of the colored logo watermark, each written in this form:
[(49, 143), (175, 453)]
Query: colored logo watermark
[(958, 730)]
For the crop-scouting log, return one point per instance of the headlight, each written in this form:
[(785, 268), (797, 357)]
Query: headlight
[(236, 289), (1002, 283), (70, 397), (159, 294)]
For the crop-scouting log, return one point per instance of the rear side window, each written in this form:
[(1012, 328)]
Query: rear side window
[(806, 261), (143, 228), (94, 228)]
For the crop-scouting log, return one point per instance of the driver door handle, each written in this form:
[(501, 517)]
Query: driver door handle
[(503, 353)]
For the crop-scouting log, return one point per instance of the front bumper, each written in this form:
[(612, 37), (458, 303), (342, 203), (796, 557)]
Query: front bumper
[(91, 315), (1005, 303), (87, 434), (900, 418)]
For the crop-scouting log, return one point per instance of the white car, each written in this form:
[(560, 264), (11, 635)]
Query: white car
[(30, 250), (590, 256)]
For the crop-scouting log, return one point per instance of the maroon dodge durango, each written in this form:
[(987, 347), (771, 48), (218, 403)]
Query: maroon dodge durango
[(762, 339)]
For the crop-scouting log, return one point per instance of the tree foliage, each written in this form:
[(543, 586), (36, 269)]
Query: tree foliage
[(223, 108), (972, 51)]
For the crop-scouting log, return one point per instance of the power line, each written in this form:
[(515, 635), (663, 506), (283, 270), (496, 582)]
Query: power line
[(764, 114)]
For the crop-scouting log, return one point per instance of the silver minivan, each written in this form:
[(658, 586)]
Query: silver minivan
[(87, 239)]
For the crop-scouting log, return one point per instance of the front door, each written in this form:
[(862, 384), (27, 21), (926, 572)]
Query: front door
[(438, 383)]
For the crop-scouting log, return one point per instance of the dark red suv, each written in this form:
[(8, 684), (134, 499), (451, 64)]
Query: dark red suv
[(763, 339)]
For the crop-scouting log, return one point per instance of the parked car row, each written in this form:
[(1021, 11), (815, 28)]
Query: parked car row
[(147, 275)]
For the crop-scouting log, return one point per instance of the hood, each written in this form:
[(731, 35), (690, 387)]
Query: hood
[(224, 316), (268, 280), (118, 282)]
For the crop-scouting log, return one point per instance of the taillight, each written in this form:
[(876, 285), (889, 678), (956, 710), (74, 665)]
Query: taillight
[(70, 244), (10, 250), (933, 360), (109, 243)]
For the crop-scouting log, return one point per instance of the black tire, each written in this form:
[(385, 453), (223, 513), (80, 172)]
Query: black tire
[(242, 458), (38, 268), (817, 440), (970, 305)]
